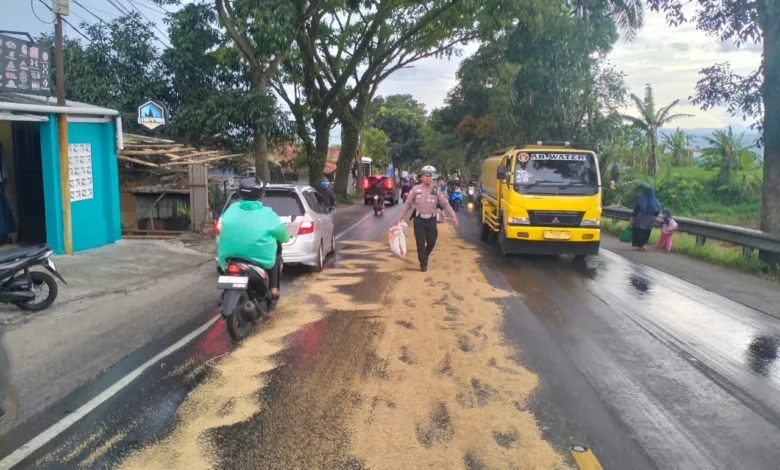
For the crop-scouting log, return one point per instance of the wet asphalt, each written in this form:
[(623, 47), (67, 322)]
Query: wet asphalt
[(647, 370)]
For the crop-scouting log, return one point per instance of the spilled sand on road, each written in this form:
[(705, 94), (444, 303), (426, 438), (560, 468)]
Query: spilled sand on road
[(449, 395), (227, 397)]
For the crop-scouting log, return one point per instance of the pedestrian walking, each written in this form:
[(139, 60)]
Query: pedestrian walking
[(646, 210), (425, 199), (668, 227)]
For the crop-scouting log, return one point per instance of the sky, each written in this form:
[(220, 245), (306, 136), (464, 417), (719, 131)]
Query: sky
[(668, 58)]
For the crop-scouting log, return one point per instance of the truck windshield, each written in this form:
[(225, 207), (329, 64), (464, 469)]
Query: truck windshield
[(556, 173)]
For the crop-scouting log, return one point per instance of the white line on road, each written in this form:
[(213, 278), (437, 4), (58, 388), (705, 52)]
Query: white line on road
[(61, 426), (42, 439)]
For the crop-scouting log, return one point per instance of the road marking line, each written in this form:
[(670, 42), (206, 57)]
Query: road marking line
[(42, 439), (585, 458), (343, 232), (480, 275)]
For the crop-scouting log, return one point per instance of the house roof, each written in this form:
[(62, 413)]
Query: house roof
[(19, 98), (174, 184)]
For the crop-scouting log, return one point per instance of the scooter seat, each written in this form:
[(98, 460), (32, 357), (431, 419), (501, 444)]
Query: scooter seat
[(26, 252)]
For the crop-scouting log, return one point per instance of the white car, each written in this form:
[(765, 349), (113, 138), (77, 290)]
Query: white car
[(309, 222)]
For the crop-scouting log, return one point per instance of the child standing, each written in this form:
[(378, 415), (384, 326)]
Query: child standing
[(668, 227)]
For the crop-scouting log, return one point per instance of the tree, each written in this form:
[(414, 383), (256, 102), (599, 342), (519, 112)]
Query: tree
[(650, 120), (376, 144), (755, 96), (210, 91), (345, 54), (729, 153), (263, 31), (678, 146), (119, 68), (402, 119)]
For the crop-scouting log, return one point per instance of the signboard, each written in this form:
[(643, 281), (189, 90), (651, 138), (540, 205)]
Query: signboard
[(152, 115), (25, 67)]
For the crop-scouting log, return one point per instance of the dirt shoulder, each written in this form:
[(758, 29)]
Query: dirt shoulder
[(753, 291)]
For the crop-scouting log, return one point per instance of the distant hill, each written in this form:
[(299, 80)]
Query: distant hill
[(699, 134)]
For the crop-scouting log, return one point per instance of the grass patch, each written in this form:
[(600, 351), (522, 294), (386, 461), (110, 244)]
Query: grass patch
[(347, 200), (713, 251)]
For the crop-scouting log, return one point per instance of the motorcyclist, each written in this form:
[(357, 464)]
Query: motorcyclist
[(442, 186), (378, 187), (253, 231), (327, 193), (406, 184)]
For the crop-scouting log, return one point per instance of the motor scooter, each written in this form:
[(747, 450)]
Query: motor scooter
[(456, 199)]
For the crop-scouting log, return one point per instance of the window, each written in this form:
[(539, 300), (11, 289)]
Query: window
[(284, 203), (323, 208), (312, 201)]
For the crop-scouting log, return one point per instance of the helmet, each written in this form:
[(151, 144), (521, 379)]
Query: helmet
[(324, 183), (428, 170), (251, 189)]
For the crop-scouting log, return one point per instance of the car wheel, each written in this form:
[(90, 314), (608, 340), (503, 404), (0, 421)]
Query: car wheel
[(320, 260)]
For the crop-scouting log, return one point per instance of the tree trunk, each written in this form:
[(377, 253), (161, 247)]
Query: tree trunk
[(652, 163), (350, 134), (770, 205), (320, 154), (261, 157)]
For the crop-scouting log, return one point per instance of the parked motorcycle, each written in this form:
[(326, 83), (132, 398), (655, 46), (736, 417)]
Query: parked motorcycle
[(32, 291), (456, 199), (379, 205)]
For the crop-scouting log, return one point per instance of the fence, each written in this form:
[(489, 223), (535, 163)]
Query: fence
[(748, 239)]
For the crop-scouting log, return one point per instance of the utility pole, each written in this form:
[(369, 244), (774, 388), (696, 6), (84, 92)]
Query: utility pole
[(62, 8)]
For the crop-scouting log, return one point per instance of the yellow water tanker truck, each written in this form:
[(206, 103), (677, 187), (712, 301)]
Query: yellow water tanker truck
[(542, 198)]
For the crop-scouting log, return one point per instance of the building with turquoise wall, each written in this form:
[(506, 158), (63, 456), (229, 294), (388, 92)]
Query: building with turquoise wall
[(92, 139)]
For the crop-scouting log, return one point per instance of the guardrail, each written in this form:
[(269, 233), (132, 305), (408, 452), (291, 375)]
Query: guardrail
[(748, 239)]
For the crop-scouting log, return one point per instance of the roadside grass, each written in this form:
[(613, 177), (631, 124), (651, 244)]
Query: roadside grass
[(713, 251)]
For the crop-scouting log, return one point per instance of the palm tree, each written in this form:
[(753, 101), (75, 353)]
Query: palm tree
[(649, 121), (729, 153), (629, 14)]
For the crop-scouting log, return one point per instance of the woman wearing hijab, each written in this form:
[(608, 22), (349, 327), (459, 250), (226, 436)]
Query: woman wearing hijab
[(646, 210)]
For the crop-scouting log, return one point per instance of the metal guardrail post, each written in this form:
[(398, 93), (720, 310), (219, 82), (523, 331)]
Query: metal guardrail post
[(700, 240)]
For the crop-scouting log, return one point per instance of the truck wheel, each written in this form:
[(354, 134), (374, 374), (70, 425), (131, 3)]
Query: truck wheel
[(484, 229), (502, 242)]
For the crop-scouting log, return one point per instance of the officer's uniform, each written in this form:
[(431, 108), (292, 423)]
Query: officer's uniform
[(425, 202)]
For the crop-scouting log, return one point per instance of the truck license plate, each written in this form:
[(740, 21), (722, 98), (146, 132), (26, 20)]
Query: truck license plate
[(551, 235)]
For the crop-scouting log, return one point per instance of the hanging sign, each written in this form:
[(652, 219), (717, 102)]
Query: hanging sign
[(25, 67), (152, 115)]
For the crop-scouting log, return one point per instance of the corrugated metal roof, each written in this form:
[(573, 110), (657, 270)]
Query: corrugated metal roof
[(19, 98), (178, 185)]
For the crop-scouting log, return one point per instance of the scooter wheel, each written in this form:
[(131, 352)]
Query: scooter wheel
[(41, 279)]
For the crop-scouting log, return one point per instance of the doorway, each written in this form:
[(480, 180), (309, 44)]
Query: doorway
[(23, 183)]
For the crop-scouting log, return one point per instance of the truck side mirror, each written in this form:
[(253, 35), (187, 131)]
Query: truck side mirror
[(501, 172)]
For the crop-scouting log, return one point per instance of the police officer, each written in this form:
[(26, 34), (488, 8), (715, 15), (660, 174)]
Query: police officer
[(425, 198)]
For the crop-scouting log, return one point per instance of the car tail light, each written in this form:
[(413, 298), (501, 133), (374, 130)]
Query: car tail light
[(233, 269), (366, 183), (217, 226), (306, 228), (389, 183)]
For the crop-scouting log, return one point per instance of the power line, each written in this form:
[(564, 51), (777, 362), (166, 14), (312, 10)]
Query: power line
[(158, 10), (88, 10), (125, 11), (68, 23), (32, 7), (150, 21)]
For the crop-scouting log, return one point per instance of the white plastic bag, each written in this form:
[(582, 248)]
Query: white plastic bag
[(397, 238)]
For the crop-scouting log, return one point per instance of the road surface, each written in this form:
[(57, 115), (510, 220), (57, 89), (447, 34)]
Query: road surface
[(482, 362)]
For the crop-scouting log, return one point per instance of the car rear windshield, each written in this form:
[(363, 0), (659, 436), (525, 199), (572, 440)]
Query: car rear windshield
[(284, 203)]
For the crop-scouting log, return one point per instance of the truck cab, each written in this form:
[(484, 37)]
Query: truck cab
[(542, 198)]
